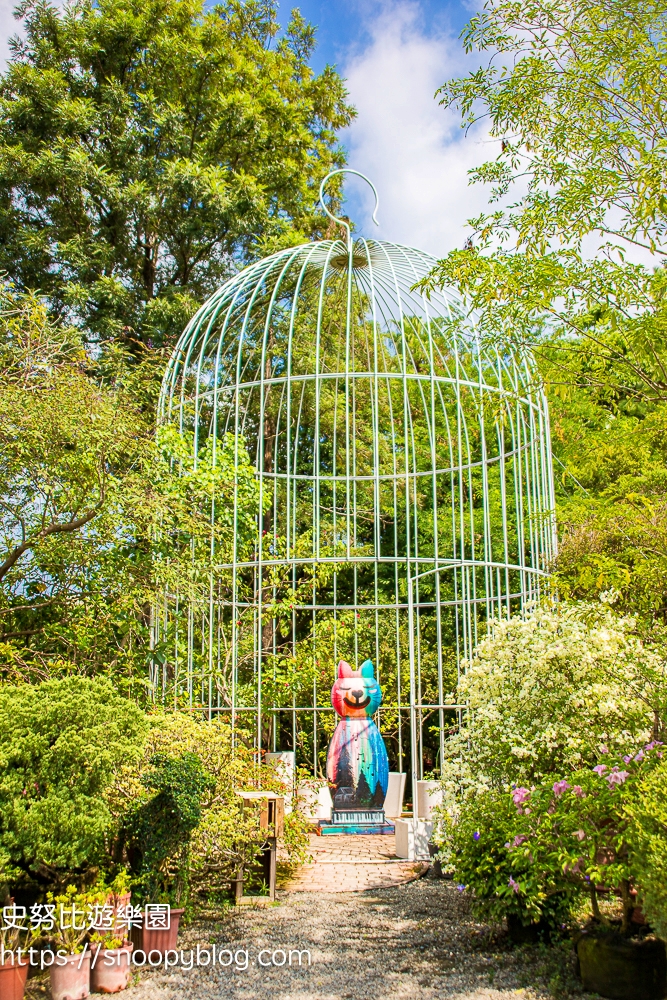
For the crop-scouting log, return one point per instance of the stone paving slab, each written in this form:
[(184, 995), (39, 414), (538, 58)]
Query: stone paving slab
[(353, 863)]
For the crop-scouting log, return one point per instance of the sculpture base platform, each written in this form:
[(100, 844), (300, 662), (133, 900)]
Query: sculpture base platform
[(355, 821), (326, 828)]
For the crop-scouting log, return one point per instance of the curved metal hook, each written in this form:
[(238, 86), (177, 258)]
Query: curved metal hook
[(342, 222)]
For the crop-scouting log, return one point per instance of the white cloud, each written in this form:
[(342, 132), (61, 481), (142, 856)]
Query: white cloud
[(413, 149)]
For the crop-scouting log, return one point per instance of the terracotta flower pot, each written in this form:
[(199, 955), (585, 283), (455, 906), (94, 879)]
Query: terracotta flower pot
[(621, 968), (110, 969), (157, 940), (68, 981), (118, 901), (12, 980)]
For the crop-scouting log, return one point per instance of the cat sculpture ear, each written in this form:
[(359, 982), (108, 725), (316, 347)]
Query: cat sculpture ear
[(367, 669), (345, 670)]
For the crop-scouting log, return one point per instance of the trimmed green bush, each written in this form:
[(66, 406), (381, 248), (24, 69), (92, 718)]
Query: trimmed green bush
[(61, 743)]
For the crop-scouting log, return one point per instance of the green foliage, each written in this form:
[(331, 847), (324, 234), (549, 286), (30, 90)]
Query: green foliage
[(196, 528), (647, 841), (225, 838), (542, 785), (61, 744), (612, 477), (74, 445), (582, 826), (93, 515), (157, 830), (535, 852), (145, 148), (559, 63), (504, 882), (74, 902), (546, 266)]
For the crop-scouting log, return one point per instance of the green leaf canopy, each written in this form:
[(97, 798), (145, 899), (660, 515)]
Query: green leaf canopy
[(146, 145), (61, 743)]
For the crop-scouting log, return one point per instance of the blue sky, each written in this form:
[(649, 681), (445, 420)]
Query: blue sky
[(394, 54), (344, 25)]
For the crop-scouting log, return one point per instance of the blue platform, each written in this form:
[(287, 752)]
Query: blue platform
[(355, 821)]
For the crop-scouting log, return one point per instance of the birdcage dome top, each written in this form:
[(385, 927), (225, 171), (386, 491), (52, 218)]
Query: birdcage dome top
[(326, 310)]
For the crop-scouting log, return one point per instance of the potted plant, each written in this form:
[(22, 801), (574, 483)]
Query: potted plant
[(111, 949), (70, 972), (110, 964), (582, 825), (14, 970)]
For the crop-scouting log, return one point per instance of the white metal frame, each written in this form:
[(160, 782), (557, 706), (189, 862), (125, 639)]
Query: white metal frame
[(368, 395)]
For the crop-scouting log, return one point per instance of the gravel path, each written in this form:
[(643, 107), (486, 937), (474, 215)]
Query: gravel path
[(415, 941)]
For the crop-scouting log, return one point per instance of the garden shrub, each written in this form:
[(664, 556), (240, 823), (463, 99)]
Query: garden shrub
[(159, 825), (224, 838), (647, 837), (565, 698), (504, 882), (547, 691), (597, 826), (61, 743)]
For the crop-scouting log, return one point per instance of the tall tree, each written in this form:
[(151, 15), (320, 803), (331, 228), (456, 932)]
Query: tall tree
[(94, 520), (574, 92), (148, 146)]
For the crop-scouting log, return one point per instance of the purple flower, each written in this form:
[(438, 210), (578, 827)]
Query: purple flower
[(604, 749), (520, 795), (627, 758), (476, 835), (560, 786), (519, 840), (513, 885), (617, 777), (578, 791), (639, 756), (461, 888), (600, 768), (508, 844)]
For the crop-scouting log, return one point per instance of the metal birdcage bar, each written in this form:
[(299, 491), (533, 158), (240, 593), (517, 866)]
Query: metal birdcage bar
[(405, 493)]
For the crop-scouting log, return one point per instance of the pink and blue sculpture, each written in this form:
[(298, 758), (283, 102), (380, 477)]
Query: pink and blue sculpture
[(357, 765)]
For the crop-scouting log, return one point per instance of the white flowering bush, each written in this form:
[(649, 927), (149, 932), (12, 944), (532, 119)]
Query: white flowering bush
[(549, 692), (565, 721)]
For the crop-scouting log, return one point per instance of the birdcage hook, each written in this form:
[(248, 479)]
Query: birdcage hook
[(343, 222)]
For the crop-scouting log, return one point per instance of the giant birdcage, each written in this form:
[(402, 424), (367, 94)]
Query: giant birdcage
[(403, 495)]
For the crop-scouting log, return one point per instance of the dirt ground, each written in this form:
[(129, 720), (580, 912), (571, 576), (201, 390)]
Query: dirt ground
[(416, 940)]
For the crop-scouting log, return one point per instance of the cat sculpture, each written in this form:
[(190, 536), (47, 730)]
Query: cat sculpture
[(357, 765)]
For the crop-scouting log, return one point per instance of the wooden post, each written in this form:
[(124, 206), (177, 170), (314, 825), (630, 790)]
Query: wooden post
[(272, 820)]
